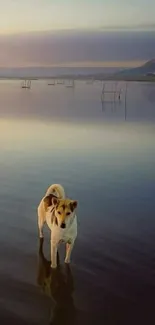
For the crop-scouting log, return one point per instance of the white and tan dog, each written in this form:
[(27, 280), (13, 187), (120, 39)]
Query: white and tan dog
[(59, 214)]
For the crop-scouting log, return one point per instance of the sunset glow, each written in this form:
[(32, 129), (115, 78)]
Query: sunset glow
[(39, 15)]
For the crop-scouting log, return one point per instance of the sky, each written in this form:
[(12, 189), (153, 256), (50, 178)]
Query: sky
[(74, 48), (76, 32), (18, 16)]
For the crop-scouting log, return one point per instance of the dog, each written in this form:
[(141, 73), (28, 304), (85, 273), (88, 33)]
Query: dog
[(59, 214)]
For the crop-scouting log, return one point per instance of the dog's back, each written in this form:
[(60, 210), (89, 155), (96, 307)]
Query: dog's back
[(58, 191)]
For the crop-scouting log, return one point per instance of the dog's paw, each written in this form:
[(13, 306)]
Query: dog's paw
[(67, 261), (53, 266)]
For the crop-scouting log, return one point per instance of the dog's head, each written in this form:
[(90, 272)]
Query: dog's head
[(64, 210)]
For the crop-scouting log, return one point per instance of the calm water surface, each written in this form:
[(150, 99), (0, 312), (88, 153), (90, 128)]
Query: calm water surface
[(104, 155)]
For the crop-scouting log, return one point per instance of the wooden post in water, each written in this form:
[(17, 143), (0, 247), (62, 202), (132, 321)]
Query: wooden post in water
[(126, 90)]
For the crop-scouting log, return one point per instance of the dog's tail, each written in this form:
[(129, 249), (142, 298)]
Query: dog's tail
[(57, 190)]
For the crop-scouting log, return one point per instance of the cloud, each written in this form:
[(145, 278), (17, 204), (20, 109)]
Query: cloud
[(54, 48), (144, 27)]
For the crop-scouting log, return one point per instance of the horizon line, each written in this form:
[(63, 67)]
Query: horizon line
[(134, 28), (83, 64)]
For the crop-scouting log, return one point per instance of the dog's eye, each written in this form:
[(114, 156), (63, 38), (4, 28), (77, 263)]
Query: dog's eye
[(59, 212), (68, 213)]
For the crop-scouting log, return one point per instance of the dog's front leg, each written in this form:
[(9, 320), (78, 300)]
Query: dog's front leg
[(69, 247), (54, 249)]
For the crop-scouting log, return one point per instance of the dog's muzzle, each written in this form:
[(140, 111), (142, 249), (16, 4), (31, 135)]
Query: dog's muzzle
[(63, 225)]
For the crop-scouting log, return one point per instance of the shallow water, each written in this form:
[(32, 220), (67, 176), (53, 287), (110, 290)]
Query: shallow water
[(104, 155)]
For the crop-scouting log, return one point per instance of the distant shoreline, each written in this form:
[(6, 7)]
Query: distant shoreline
[(87, 77)]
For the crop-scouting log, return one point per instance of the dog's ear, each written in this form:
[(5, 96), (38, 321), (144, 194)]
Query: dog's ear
[(73, 205), (55, 201)]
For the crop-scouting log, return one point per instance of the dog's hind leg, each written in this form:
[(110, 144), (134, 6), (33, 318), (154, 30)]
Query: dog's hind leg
[(40, 225)]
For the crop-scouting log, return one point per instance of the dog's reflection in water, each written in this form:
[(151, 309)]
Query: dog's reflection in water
[(59, 286)]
